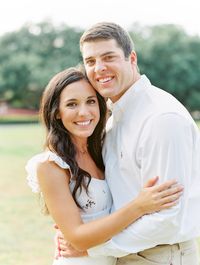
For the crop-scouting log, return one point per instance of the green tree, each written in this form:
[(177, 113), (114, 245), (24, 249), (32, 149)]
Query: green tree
[(31, 57), (171, 59)]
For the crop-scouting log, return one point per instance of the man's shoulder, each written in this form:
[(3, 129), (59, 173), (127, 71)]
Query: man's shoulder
[(160, 101)]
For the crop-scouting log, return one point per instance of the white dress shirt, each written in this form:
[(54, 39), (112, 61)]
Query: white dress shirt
[(151, 134)]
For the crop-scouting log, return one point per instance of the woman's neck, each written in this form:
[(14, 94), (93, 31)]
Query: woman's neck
[(81, 145)]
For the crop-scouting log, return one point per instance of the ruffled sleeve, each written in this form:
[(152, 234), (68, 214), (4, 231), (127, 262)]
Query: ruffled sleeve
[(31, 167)]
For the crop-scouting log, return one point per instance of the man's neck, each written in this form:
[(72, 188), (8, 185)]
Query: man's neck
[(117, 97)]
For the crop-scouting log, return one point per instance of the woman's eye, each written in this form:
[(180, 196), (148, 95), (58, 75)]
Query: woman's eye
[(71, 104), (91, 101)]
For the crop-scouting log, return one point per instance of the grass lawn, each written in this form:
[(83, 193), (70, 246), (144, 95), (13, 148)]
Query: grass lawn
[(26, 234)]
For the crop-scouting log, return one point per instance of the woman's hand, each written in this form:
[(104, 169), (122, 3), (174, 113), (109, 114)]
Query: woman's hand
[(153, 198)]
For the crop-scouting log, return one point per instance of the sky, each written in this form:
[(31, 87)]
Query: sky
[(83, 13)]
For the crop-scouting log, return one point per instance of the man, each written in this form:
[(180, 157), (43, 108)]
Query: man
[(149, 133)]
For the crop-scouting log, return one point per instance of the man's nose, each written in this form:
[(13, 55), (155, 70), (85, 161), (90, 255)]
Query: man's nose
[(100, 66)]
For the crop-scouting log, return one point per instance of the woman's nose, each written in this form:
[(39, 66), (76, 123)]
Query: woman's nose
[(83, 110)]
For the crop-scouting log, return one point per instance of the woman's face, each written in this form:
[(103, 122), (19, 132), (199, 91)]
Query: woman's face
[(79, 109)]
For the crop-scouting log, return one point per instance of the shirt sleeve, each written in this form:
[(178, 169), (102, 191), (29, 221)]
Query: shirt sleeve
[(165, 149)]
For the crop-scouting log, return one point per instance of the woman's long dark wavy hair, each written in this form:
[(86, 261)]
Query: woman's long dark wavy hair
[(58, 139)]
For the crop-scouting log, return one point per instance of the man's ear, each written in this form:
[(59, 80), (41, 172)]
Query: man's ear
[(133, 61), (133, 57)]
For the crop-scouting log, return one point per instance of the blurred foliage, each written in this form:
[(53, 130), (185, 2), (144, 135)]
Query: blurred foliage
[(31, 56), (171, 59)]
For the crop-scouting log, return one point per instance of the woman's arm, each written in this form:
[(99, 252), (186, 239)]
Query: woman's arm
[(54, 184)]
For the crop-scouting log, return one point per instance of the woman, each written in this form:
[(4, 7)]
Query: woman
[(69, 174)]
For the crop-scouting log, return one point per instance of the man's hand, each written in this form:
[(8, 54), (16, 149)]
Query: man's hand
[(64, 248)]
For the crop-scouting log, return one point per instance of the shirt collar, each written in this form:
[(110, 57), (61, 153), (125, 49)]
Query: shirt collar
[(127, 99)]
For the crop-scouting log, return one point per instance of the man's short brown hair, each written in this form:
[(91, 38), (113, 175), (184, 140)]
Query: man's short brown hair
[(108, 31)]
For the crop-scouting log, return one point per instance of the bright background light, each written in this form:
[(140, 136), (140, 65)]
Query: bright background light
[(83, 13)]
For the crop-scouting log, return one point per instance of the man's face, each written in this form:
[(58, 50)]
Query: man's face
[(108, 70)]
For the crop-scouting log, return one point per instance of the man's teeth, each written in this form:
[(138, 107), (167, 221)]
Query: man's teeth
[(103, 80), (83, 123)]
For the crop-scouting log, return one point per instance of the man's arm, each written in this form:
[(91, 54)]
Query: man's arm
[(165, 149)]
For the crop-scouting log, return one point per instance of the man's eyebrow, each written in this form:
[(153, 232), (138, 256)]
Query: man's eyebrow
[(103, 54), (107, 53), (88, 58)]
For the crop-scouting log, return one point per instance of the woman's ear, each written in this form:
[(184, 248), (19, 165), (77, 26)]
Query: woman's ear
[(58, 116)]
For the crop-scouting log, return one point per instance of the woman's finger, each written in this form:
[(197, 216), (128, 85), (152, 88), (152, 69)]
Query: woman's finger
[(164, 186), (171, 198), (171, 191), (151, 182)]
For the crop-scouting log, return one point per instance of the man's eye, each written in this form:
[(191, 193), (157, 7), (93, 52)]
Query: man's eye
[(109, 57), (90, 62)]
